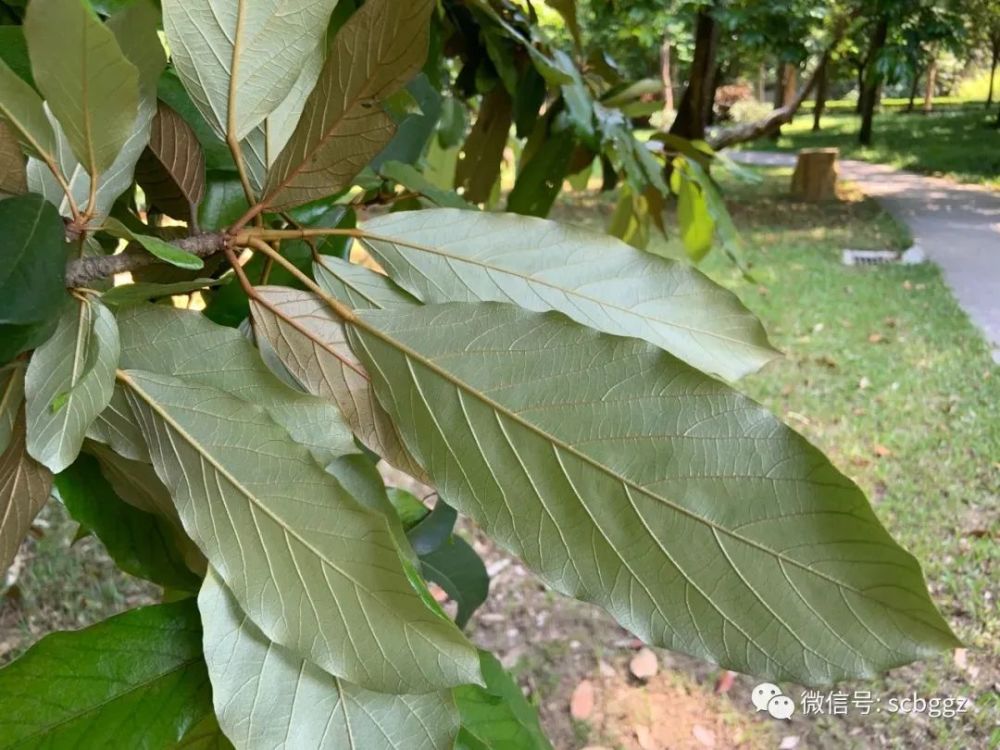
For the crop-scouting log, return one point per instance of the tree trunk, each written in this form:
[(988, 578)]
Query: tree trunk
[(710, 95), (665, 76), (914, 85), (761, 82), (993, 69), (815, 176), (690, 121), (784, 91), (779, 85), (870, 91), (861, 85), (790, 82), (929, 91), (821, 86)]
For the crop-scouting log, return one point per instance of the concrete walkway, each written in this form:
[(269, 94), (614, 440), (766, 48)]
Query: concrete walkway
[(957, 226)]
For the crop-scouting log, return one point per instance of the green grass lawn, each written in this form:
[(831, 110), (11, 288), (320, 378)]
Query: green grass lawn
[(958, 142), (886, 374)]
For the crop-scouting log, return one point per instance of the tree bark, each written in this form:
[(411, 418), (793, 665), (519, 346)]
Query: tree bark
[(665, 76), (815, 176), (790, 82), (914, 85), (821, 90), (690, 122), (778, 99), (761, 82), (870, 91), (860, 74), (993, 69), (79, 272), (710, 95), (931, 80)]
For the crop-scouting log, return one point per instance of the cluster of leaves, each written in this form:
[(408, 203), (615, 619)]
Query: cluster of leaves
[(557, 387), (570, 116)]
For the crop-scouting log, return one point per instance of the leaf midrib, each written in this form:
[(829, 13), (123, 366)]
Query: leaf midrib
[(250, 497), (529, 279), (515, 417)]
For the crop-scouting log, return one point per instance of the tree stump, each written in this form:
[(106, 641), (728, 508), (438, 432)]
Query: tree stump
[(815, 176)]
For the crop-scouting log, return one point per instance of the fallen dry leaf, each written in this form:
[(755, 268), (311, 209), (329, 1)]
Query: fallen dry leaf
[(881, 451), (644, 664), (645, 738), (725, 682), (704, 736), (961, 658), (581, 704)]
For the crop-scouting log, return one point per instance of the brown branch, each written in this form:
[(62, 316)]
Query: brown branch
[(752, 130), (79, 272)]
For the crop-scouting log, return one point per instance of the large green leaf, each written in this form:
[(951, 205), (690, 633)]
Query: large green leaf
[(14, 52), (189, 346), (627, 478), (265, 142), (15, 339), (478, 169), (457, 569), (342, 125), (135, 30), (239, 59), (69, 382), (206, 735), (24, 488), (155, 246), (498, 716), (140, 543), (697, 227), (136, 483), (541, 179), (21, 108), (445, 255), (266, 696), (311, 342), (314, 569), (413, 180), (89, 84), (137, 680), (359, 287), (32, 260)]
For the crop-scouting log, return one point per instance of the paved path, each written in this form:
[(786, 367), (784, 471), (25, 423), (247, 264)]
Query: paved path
[(957, 226)]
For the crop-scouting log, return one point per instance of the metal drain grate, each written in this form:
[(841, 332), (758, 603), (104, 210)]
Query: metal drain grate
[(868, 257)]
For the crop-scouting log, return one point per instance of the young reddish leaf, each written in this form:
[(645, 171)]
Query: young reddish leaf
[(342, 125), (171, 171)]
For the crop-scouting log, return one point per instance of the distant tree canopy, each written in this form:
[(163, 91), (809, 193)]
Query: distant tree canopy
[(883, 45)]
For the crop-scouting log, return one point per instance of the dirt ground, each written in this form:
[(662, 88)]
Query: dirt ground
[(554, 644)]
